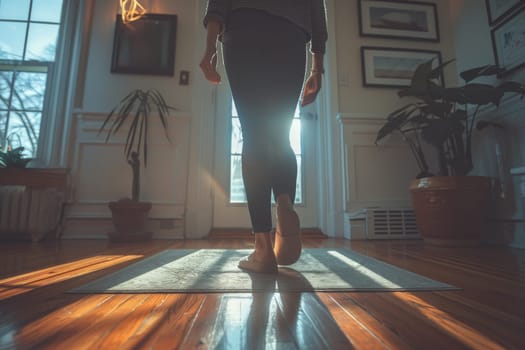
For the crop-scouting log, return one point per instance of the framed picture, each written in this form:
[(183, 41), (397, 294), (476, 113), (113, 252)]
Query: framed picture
[(145, 46), (498, 9), (392, 67), (508, 42), (398, 19)]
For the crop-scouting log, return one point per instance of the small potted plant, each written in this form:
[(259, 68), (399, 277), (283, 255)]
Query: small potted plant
[(13, 158), (450, 206), (135, 111)]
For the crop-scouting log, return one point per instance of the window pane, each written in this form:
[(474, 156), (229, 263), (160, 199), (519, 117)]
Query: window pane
[(3, 121), (299, 183), (46, 10), (236, 136), (5, 88), (234, 110), (237, 194), (29, 91), (14, 9), (12, 40), (295, 136), (42, 42), (24, 128)]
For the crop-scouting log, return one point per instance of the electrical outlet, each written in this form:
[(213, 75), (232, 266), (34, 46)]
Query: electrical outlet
[(184, 77)]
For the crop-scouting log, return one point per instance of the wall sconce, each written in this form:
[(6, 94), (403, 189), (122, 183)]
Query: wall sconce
[(131, 10)]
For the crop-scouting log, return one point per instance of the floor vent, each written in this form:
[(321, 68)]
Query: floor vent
[(381, 223)]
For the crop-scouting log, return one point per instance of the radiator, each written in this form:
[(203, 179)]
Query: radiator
[(29, 213), (381, 223)]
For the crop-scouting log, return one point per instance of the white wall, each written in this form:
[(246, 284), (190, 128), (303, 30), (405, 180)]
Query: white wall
[(349, 117), (100, 172), (378, 102), (470, 17), (374, 176), (103, 89)]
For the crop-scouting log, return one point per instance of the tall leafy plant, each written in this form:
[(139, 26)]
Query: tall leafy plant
[(135, 111), (444, 117)]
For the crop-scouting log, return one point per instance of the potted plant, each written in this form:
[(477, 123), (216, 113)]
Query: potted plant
[(450, 206), (13, 158), (135, 111)]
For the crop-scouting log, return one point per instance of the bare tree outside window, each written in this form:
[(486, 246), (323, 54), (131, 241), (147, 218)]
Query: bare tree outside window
[(27, 52)]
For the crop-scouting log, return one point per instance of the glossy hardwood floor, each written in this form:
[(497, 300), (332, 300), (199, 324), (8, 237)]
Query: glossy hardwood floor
[(36, 313)]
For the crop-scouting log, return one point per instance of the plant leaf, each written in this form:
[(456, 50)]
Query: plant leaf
[(439, 130), (438, 71), (421, 76), (440, 109), (482, 94), (512, 86), (474, 73), (394, 123), (459, 115), (456, 94)]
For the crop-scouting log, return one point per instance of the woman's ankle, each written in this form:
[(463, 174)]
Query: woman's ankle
[(264, 245), (283, 200)]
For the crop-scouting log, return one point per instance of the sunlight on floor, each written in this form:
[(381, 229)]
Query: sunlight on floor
[(380, 280), (462, 332), (16, 285)]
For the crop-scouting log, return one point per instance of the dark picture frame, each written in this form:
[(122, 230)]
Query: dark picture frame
[(145, 46), (498, 9), (508, 43), (396, 19), (393, 67)]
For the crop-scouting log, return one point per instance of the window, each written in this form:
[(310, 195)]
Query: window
[(237, 194), (27, 52)]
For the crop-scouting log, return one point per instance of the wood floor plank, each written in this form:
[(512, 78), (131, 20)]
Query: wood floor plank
[(362, 329), (201, 334), (403, 320), (312, 323), (37, 313), (178, 315)]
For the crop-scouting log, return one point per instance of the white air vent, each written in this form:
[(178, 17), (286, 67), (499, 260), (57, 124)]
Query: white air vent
[(381, 223)]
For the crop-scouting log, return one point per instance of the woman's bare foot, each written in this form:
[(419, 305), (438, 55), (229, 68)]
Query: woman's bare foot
[(262, 259)]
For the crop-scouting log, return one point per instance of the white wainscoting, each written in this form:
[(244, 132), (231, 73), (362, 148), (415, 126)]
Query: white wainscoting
[(496, 151), (374, 175), (100, 174)]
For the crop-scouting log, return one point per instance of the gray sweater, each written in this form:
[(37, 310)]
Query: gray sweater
[(310, 15)]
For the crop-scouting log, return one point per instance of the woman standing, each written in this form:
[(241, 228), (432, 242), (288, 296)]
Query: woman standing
[(264, 46)]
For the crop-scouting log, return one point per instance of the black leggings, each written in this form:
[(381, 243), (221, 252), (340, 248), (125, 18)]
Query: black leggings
[(265, 59)]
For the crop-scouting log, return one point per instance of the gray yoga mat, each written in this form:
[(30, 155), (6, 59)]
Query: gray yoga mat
[(215, 270)]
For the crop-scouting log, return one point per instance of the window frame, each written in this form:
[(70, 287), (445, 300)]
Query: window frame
[(61, 84), (300, 166)]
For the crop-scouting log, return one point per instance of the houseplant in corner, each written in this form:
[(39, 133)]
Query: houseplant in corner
[(134, 111), (450, 206), (13, 158)]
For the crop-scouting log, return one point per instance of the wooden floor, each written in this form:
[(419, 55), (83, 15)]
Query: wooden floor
[(35, 313)]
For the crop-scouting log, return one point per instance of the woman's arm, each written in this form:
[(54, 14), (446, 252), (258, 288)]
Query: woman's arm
[(319, 36), (214, 19), (313, 83), (209, 60)]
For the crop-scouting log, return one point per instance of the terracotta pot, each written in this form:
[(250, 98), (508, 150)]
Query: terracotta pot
[(451, 210), (129, 218)]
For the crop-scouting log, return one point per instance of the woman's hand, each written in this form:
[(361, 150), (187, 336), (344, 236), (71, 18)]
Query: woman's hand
[(209, 66), (209, 61), (311, 88)]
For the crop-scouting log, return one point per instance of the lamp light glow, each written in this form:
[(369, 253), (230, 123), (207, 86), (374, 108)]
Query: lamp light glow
[(131, 10)]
